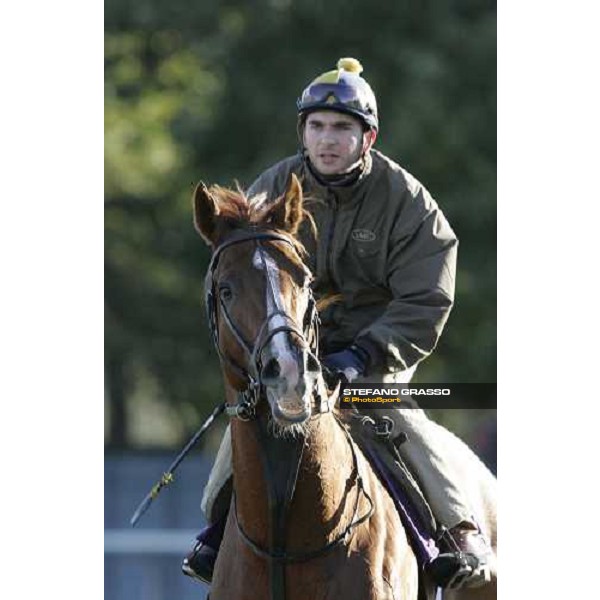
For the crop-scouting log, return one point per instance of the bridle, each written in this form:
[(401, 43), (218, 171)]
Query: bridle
[(308, 337), (281, 457)]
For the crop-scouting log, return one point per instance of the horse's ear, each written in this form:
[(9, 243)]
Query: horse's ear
[(206, 211), (286, 213)]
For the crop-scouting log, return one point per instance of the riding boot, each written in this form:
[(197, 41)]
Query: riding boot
[(200, 562)]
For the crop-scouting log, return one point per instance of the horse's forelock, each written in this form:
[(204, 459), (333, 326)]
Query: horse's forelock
[(233, 204), (240, 211)]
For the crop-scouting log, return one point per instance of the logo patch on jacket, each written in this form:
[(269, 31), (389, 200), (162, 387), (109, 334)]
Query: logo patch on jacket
[(363, 235)]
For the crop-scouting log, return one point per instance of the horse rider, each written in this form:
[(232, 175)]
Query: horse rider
[(385, 246)]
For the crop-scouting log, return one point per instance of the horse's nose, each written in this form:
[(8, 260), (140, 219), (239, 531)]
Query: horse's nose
[(289, 380), (289, 367)]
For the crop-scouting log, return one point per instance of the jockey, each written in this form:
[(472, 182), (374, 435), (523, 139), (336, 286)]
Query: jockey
[(386, 248)]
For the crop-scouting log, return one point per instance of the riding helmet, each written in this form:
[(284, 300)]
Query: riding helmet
[(344, 90)]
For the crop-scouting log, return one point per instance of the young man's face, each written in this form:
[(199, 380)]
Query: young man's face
[(334, 141)]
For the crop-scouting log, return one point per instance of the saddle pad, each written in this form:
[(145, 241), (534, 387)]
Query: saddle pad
[(418, 531)]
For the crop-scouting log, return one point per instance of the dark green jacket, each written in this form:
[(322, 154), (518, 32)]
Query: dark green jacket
[(385, 246)]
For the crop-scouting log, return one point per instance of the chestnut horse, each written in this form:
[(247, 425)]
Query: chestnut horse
[(308, 519)]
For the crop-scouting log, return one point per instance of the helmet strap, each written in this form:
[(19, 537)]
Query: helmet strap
[(300, 132), (369, 138)]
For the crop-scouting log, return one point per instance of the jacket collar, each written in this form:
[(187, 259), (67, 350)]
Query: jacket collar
[(346, 194)]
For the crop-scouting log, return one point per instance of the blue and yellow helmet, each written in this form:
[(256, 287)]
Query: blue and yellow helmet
[(342, 89)]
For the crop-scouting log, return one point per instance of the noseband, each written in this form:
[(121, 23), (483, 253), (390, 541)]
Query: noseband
[(245, 409)]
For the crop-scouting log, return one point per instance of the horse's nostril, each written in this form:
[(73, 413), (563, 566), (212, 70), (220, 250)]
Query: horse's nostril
[(272, 370)]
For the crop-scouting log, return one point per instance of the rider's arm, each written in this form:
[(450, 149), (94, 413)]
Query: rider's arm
[(421, 272)]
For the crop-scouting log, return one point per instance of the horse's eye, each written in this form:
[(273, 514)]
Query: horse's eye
[(225, 293)]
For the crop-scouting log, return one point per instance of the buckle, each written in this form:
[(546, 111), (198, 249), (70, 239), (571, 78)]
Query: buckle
[(321, 401), (245, 411), (238, 411), (384, 427), (364, 421)]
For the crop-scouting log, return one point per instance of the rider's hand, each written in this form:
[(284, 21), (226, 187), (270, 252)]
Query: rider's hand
[(346, 365)]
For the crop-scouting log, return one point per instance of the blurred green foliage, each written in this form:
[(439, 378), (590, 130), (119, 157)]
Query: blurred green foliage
[(207, 91)]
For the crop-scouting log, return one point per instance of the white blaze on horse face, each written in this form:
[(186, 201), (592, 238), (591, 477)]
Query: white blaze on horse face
[(280, 346)]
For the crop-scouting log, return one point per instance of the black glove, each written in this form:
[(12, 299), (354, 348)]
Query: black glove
[(345, 365)]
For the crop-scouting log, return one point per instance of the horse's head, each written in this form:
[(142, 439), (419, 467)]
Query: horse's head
[(259, 300)]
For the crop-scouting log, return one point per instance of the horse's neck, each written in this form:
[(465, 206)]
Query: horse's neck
[(321, 500), (326, 493)]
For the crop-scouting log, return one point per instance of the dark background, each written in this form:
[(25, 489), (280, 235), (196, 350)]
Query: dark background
[(207, 91)]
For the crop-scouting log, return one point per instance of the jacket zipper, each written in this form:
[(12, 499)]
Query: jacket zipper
[(330, 233)]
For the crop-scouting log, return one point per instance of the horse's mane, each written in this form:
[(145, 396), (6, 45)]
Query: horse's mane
[(327, 300)]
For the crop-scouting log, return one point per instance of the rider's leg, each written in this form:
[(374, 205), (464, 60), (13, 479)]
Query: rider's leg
[(220, 474), (427, 453), (426, 456), (199, 563)]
